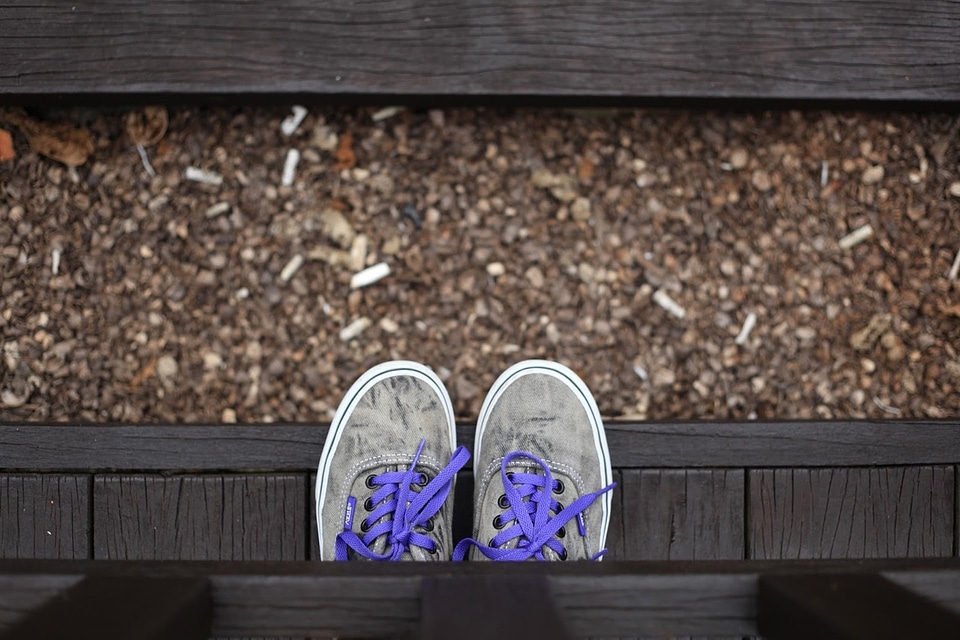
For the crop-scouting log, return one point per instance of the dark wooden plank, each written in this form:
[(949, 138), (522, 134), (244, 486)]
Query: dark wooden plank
[(820, 49), (616, 545), (129, 608), (848, 607), (478, 608), (44, 516), (249, 517), (851, 513), (296, 448), (655, 599), (683, 515)]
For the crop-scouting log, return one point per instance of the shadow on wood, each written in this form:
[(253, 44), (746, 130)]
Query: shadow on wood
[(477, 608), (122, 608), (848, 607)]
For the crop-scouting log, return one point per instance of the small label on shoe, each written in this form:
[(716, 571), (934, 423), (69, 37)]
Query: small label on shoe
[(348, 515), (581, 524)]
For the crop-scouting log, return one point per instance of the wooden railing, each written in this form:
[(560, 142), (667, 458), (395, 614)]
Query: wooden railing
[(728, 503), (430, 51), (187, 600)]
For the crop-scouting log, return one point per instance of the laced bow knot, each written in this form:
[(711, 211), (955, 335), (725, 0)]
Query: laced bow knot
[(398, 510), (536, 516)]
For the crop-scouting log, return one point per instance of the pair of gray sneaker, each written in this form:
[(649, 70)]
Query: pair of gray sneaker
[(541, 469)]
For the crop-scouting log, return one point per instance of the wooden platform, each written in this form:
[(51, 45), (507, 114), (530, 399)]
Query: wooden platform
[(431, 50), (686, 491), (700, 511)]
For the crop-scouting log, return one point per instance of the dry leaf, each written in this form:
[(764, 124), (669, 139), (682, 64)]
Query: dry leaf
[(148, 370), (148, 125), (346, 158), (585, 170), (950, 309), (58, 140), (6, 146)]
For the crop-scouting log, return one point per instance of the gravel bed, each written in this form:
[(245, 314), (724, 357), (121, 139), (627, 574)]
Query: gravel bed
[(631, 245)]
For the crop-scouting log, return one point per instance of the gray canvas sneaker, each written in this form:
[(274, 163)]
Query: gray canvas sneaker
[(386, 475), (541, 468)]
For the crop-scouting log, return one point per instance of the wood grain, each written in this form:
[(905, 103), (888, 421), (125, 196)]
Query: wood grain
[(851, 513), (683, 515), (296, 448), (616, 546), (250, 517), (44, 516), (656, 599), (691, 49)]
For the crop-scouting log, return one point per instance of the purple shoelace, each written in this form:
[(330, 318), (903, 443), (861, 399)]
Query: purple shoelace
[(538, 521), (396, 510)]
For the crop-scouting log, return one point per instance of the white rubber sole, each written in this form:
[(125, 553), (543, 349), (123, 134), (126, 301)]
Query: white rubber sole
[(363, 384), (573, 381)]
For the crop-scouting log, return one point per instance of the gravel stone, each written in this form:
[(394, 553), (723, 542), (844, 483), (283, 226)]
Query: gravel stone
[(674, 208), (872, 175)]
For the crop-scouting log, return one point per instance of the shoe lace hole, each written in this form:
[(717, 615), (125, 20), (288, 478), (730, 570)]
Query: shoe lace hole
[(364, 525), (563, 554), (558, 487), (422, 480), (428, 525), (369, 481), (368, 504), (498, 523), (510, 476), (502, 501), (562, 533), (559, 507), (490, 544)]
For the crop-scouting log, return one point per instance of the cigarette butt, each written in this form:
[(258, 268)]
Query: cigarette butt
[(290, 167), (855, 237), (292, 122), (668, 304), (370, 275), (195, 174), (292, 267), (748, 324)]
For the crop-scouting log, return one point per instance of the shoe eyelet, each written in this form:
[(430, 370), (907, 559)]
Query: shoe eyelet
[(368, 504), (369, 481), (509, 476), (558, 487), (562, 533), (490, 544), (422, 480), (433, 551), (498, 523), (502, 501), (428, 525), (364, 526), (559, 507), (563, 556)]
